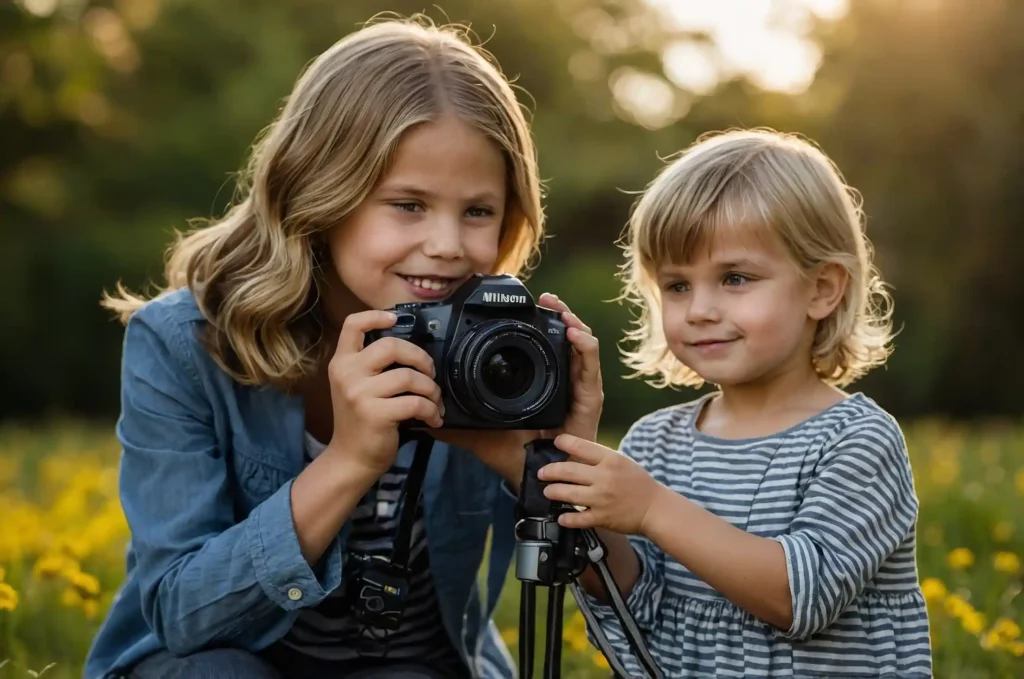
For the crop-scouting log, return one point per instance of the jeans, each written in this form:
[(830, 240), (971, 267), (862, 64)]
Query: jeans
[(230, 663)]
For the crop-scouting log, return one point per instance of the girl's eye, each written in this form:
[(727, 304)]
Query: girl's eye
[(480, 211), (678, 286), (736, 279), (407, 206)]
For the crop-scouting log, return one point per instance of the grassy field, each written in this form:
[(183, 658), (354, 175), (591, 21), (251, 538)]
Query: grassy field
[(62, 538)]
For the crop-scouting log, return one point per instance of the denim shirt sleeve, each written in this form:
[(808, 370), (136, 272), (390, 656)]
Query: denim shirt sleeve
[(205, 578)]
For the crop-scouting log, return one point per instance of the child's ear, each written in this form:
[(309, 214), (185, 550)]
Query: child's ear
[(829, 283)]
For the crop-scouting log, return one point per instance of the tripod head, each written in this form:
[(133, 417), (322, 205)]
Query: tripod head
[(552, 555)]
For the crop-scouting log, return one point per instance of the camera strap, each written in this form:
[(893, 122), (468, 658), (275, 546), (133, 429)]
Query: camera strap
[(411, 493)]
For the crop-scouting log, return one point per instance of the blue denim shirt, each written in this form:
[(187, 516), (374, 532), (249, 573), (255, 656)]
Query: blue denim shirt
[(206, 472)]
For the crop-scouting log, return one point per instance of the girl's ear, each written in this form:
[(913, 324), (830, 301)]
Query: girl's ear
[(829, 284)]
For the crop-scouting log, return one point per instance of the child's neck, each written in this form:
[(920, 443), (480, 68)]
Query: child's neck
[(763, 409)]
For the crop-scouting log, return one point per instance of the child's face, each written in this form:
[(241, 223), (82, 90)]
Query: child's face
[(738, 312), (432, 222)]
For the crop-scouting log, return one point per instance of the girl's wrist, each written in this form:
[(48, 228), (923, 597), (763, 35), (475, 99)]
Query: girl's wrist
[(662, 512)]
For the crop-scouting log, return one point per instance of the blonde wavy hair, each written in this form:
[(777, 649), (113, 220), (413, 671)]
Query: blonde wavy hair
[(777, 184), (254, 273)]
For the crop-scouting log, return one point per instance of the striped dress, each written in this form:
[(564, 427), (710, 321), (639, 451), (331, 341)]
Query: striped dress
[(836, 491)]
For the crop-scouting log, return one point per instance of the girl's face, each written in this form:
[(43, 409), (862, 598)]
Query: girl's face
[(432, 222), (739, 313)]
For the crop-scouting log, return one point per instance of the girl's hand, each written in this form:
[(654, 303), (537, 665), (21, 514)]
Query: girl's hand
[(503, 450), (585, 373), (369, 400), (617, 492)]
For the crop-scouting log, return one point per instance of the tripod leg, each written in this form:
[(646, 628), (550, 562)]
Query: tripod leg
[(527, 613), (553, 646)]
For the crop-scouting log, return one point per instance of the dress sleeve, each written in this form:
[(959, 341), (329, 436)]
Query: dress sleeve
[(857, 510)]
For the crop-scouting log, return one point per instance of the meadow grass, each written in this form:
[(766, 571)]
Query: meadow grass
[(62, 538)]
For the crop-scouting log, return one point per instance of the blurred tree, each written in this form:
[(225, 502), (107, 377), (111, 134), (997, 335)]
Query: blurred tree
[(122, 119)]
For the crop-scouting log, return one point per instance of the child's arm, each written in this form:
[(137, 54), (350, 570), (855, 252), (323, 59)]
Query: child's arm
[(856, 511)]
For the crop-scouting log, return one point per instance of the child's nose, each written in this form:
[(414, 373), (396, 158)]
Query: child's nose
[(703, 306), (444, 239)]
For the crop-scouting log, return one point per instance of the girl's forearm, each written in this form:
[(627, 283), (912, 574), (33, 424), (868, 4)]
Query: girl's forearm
[(748, 570), (323, 498)]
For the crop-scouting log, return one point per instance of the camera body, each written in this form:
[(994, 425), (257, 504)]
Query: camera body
[(502, 361)]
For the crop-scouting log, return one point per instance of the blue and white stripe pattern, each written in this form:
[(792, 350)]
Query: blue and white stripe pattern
[(837, 492)]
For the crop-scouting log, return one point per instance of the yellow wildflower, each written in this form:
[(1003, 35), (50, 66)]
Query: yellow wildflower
[(2, 573), (1016, 647), (933, 589), (960, 558), (8, 597), (1002, 531), (989, 640), (51, 565), (71, 598), (1019, 480), (1006, 629), (1006, 562), (973, 621), (510, 635), (601, 661), (87, 586), (957, 606)]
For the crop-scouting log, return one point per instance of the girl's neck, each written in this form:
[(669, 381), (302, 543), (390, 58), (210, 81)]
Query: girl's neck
[(764, 408)]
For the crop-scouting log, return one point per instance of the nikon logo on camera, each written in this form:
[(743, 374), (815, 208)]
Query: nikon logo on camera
[(501, 298)]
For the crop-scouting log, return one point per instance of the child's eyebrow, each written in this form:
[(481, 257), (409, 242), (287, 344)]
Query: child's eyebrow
[(417, 192), (732, 263)]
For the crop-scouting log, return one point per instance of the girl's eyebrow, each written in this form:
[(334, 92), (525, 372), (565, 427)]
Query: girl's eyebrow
[(732, 263), (417, 192)]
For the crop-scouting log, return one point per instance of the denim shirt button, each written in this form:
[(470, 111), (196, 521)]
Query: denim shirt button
[(294, 593)]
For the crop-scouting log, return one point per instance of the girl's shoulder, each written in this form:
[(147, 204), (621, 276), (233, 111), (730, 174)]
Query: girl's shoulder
[(166, 331)]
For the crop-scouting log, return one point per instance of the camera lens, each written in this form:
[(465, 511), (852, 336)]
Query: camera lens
[(508, 372), (502, 371)]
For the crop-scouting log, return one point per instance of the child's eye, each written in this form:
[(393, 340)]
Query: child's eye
[(480, 211), (677, 286), (406, 206), (736, 279)]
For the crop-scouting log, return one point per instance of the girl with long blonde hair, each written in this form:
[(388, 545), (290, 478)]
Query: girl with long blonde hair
[(260, 438)]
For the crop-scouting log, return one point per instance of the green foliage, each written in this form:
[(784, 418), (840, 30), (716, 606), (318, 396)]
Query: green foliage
[(120, 120)]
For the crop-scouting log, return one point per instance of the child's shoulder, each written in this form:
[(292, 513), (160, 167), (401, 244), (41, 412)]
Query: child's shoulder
[(860, 415), (166, 322), (172, 306)]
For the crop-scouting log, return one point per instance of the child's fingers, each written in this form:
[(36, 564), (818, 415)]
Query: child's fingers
[(567, 472), (584, 519), (589, 352), (581, 449), (568, 493)]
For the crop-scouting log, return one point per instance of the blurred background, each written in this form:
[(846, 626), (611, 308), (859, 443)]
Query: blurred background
[(121, 120)]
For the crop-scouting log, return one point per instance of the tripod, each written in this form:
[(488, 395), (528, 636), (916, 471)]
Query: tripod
[(554, 556)]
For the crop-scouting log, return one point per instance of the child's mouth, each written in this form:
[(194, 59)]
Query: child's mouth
[(429, 285)]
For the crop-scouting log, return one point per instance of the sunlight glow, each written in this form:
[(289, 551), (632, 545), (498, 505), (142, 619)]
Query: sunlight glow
[(765, 40)]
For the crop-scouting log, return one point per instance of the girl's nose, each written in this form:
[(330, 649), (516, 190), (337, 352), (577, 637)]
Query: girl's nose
[(703, 307), (444, 239)]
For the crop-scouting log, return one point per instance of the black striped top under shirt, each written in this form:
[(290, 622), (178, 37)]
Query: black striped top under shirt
[(331, 632)]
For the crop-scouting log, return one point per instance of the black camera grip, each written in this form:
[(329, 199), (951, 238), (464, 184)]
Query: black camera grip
[(532, 501)]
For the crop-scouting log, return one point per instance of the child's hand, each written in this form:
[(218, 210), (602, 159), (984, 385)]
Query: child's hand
[(370, 401), (617, 492), (584, 372)]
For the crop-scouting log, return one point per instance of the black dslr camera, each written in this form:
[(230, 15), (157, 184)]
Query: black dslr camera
[(502, 361)]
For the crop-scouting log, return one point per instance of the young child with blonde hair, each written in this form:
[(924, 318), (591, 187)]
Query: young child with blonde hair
[(260, 437), (771, 521)]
